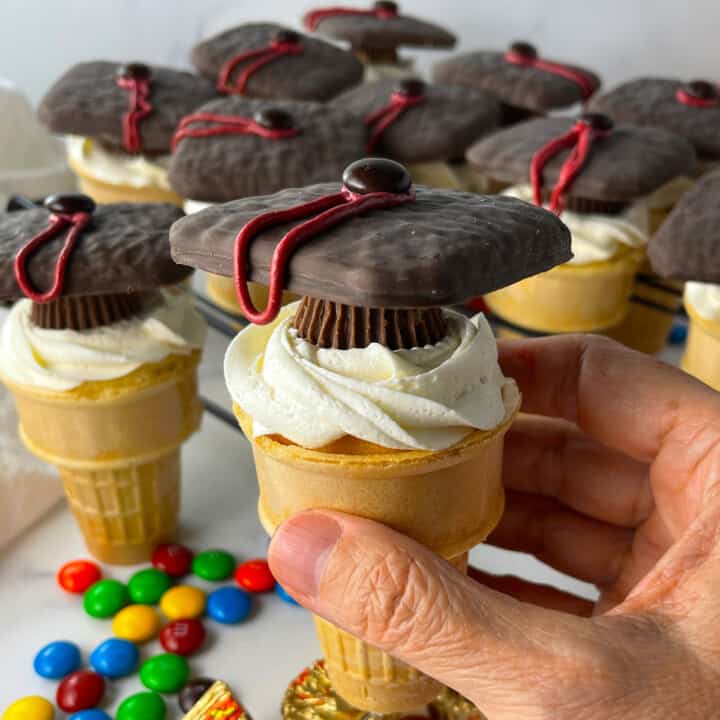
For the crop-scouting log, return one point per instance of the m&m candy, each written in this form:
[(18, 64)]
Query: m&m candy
[(174, 559), (78, 575), (284, 595), (146, 587), (213, 565), (33, 706), (192, 692), (255, 576), (142, 706), (136, 623), (57, 660), (183, 637), (80, 690), (94, 714), (105, 598), (182, 602), (165, 673), (114, 658), (229, 605)]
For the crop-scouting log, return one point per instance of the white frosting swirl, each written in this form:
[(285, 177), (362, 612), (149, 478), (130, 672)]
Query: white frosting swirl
[(61, 360), (704, 298), (425, 398), (115, 168), (597, 237)]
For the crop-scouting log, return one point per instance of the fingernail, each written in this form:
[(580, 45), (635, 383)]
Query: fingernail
[(300, 549)]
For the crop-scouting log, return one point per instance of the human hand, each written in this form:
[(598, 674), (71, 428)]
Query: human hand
[(614, 480)]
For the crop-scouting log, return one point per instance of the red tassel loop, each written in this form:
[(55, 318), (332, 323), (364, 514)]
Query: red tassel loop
[(409, 93), (73, 211), (580, 138), (271, 124), (381, 10), (526, 55), (135, 79), (700, 94), (367, 185), (285, 43)]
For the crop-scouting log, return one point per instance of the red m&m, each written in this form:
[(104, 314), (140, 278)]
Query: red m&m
[(174, 559), (78, 575), (255, 576), (183, 637), (80, 690)]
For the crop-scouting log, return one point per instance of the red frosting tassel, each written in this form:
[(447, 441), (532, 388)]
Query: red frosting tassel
[(381, 10), (580, 138), (71, 211), (408, 94), (135, 79), (699, 94), (269, 124), (389, 185), (526, 55), (285, 43)]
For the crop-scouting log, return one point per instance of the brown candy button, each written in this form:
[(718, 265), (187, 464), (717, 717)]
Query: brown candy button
[(597, 121), (411, 87), (192, 692), (702, 89), (524, 49), (137, 70), (287, 36), (69, 203), (274, 119), (387, 6), (376, 175)]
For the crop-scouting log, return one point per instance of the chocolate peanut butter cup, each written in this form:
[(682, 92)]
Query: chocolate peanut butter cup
[(690, 109), (85, 266), (521, 78), (128, 108), (277, 143), (265, 60)]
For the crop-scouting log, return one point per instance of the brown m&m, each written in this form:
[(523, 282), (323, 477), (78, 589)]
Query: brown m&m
[(274, 118), (376, 175), (134, 70)]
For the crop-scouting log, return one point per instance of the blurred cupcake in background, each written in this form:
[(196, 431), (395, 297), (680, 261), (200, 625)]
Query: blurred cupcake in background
[(120, 120), (376, 34)]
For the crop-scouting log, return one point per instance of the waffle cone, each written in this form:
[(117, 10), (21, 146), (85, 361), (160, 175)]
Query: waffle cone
[(117, 445), (654, 302), (570, 298), (702, 353), (221, 290), (448, 500)]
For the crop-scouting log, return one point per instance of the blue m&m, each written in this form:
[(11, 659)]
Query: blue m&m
[(284, 595), (57, 660), (94, 714), (228, 605), (114, 658)]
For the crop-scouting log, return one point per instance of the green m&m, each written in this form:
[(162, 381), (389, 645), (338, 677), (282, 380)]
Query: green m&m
[(165, 673), (147, 586), (105, 598), (142, 706), (213, 565)]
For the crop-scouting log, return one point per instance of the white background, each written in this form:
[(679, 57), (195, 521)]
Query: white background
[(618, 38)]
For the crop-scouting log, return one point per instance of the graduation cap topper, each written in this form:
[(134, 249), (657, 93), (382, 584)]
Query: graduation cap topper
[(85, 266), (374, 243)]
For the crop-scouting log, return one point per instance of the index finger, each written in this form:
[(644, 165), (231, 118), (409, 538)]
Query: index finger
[(622, 398)]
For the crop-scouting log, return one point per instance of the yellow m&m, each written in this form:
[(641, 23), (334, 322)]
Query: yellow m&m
[(136, 623), (33, 707), (183, 602)]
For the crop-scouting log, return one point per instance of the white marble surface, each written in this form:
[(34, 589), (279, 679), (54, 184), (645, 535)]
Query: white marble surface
[(257, 658)]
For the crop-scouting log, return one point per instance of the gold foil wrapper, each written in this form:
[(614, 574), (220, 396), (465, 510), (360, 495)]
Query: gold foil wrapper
[(217, 703), (310, 697)]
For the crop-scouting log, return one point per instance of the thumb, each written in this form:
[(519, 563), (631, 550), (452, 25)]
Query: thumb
[(397, 595)]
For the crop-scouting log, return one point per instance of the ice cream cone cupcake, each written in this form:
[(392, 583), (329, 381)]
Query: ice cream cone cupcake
[(376, 33), (595, 176), (278, 143), (687, 247), (119, 121), (102, 362), (368, 396), (265, 60), (426, 127), (689, 109)]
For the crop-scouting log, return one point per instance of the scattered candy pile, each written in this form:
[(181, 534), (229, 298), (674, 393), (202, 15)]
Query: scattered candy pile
[(135, 620)]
